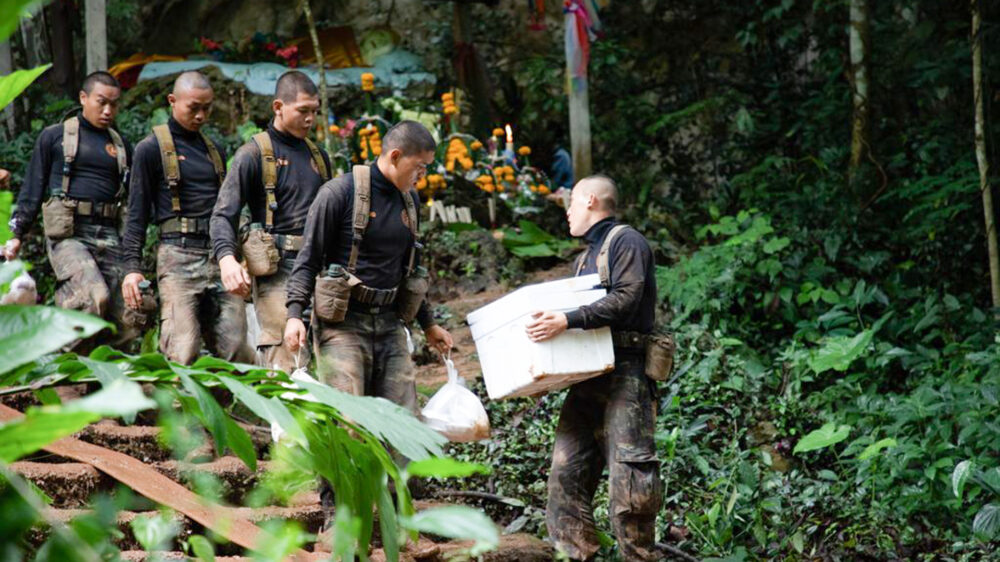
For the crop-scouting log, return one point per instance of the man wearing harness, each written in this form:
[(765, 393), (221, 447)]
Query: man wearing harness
[(77, 176), (175, 182), (365, 352), (607, 421), (277, 174)]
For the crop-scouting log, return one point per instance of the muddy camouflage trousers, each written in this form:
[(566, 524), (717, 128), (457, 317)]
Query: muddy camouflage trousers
[(269, 295), (606, 422), (89, 270), (194, 306), (366, 355)]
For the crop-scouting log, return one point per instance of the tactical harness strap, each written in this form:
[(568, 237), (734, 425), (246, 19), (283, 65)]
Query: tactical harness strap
[(269, 172), (603, 268), (172, 167), (71, 145), (362, 209)]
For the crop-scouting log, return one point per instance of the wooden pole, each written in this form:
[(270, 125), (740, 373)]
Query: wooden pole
[(981, 157), (579, 113), (95, 17), (324, 104), (579, 128)]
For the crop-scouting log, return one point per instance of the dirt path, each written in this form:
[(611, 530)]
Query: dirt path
[(464, 355)]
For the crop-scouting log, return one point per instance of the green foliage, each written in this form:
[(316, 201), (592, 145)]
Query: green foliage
[(340, 437), (457, 522), (530, 241), (29, 332), (16, 82)]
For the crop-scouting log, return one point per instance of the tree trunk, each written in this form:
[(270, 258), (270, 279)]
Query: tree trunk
[(859, 46), (981, 156), (324, 104), (95, 17), (63, 73), (470, 72)]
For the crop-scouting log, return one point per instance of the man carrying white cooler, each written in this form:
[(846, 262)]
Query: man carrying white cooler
[(607, 421)]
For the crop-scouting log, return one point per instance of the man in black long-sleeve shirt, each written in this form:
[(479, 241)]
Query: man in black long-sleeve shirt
[(366, 354), (88, 187), (298, 169), (607, 421), (175, 183)]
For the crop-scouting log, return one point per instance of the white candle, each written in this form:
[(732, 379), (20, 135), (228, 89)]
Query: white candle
[(510, 139)]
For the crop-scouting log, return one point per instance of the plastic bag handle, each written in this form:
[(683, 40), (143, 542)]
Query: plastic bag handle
[(452, 371)]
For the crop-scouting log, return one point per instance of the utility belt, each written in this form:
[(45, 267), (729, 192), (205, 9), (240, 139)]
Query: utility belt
[(185, 225), (200, 242), (338, 290), (372, 296), (659, 350), (61, 214)]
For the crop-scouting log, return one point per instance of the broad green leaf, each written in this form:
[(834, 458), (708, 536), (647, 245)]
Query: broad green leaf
[(38, 429), (29, 332), (960, 476), (214, 418), (840, 351), (776, 245), (10, 14), (202, 547), (388, 523), (156, 532), (986, 523), (271, 410), (457, 522), (445, 467), (104, 371), (121, 397), (387, 421), (876, 447), (14, 83), (829, 434), (239, 441)]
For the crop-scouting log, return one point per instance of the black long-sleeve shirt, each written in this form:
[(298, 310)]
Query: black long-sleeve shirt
[(94, 174), (385, 250), (630, 304), (297, 183), (150, 198)]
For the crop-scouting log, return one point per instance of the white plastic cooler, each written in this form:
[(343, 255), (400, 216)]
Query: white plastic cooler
[(513, 365)]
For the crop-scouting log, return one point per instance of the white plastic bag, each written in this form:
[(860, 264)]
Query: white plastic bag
[(455, 411)]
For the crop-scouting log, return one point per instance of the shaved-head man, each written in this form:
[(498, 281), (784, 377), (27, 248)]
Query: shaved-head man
[(175, 182), (75, 177), (618, 407), (277, 175)]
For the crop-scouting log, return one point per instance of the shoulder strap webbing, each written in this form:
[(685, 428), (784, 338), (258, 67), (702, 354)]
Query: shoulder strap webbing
[(171, 165), (71, 142), (215, 157), (580, 262), (362, 206), (324, 172), (411, 212), (122, 157), (603, 270), (269, 173)]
